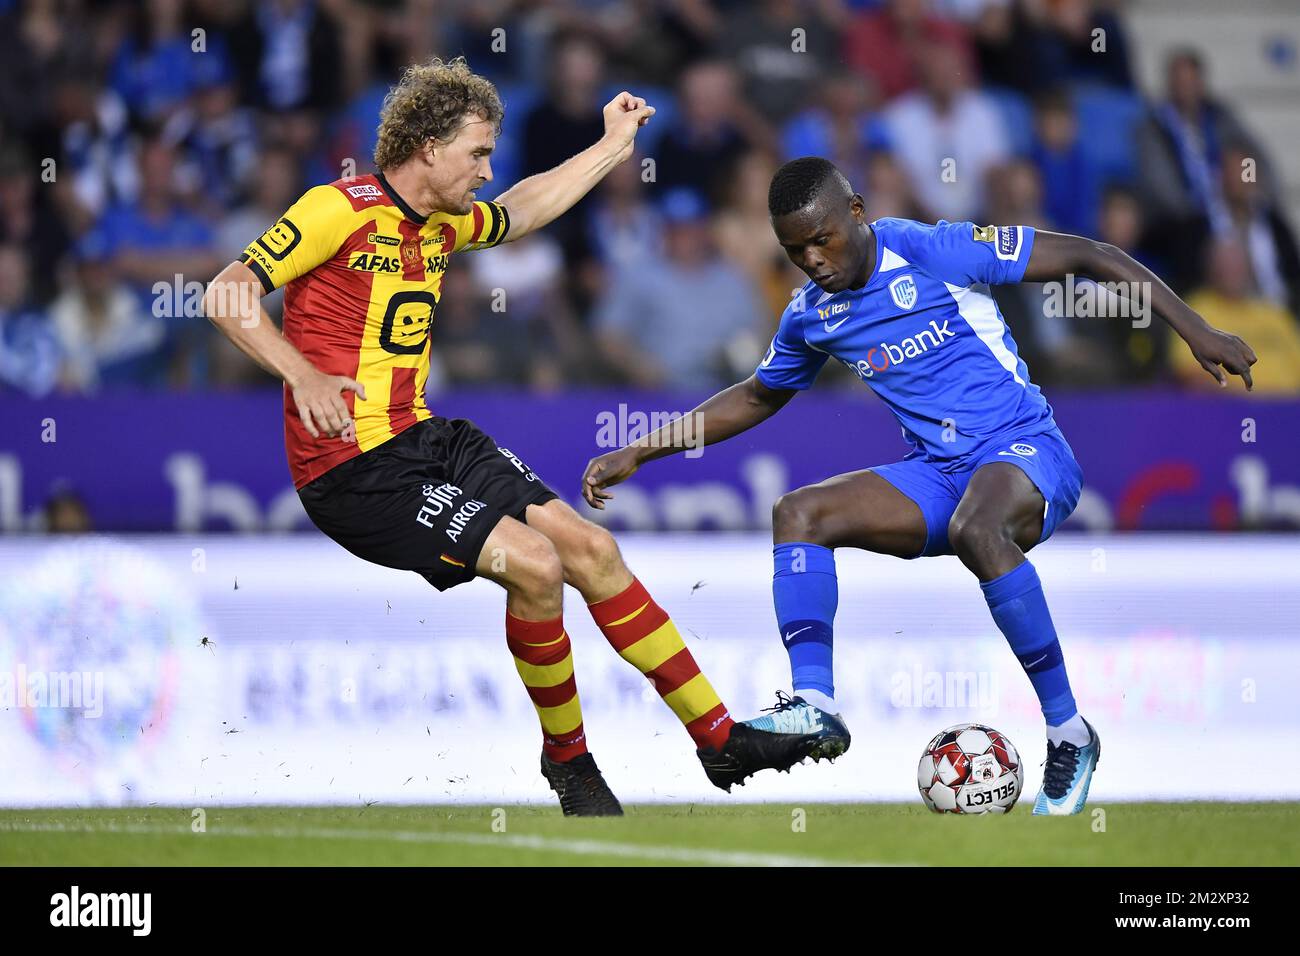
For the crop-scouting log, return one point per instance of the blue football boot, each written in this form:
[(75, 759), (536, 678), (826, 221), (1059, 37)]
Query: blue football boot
[(1067, 776)]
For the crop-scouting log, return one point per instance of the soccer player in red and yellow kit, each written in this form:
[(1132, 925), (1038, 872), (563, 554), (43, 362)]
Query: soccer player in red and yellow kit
[(362, 261)]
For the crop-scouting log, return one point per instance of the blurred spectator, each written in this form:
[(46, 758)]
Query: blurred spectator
[(471, 345), (275, 188), (946, 136), (218, 139), (159, 236), (1120, 223), (470, 33), (1015, 195), (564, 124), (29, 218), (569, 119), (96, 147), (161, 247), (887, 190), (743, 233), (35, 47), (29, 352), (890, 43), (1059, 347), (65, 512), (840, 126), (525, 282), (1257, 224), (1228, 304), (673, 321), (1069, 182), (624, 228), (1094, 41), (157, 67), (699, 150), (1180, 149), (106, 338), (760, 40), (286, 54), (1015, 47)]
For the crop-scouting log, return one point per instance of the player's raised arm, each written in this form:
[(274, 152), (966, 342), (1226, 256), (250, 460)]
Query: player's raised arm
[(728, 413), (537, 200), (1056, 255)]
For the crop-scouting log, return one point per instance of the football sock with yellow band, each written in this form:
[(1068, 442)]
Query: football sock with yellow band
[(545, 662), (646, 638)]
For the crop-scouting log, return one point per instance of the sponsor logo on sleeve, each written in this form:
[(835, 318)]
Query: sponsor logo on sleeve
[(1008, 244), (1005, 239), (280, 240)]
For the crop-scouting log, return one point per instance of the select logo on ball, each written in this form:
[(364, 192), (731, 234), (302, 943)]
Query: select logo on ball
[(970, 768)]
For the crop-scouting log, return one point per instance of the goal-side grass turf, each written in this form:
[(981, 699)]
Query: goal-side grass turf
[(1117, 834)]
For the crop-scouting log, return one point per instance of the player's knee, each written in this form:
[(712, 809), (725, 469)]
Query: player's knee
[(974, 534), (535, 569), (796, 516), (593, 555)]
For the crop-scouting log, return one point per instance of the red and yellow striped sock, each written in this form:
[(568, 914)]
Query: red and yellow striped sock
[(645, 636), (545, 662)]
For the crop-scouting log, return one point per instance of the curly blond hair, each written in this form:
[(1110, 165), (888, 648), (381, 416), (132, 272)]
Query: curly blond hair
[(429, 103)]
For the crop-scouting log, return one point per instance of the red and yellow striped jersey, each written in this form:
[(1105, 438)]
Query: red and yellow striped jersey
[(363, 274)]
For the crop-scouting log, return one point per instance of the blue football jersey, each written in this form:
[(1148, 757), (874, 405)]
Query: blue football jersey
[(924, 334)]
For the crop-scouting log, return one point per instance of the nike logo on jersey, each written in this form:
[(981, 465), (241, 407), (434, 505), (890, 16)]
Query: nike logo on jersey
[(832, 328)]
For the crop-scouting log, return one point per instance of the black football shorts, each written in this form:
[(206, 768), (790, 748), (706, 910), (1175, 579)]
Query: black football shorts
[(424, 501)]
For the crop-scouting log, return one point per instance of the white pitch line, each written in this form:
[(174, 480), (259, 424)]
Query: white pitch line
[(585, 847)]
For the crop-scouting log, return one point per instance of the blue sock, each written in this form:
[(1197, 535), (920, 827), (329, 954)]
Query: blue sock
[(806, 594), (1018, 606)]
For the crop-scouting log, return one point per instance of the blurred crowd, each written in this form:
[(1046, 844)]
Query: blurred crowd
[(144, 143)]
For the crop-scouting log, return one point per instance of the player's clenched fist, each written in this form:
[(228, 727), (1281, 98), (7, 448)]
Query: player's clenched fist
[(321, 407), (605, 470), (624, 114)]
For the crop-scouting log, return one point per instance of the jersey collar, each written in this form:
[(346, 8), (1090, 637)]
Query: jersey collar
[(399, 202)]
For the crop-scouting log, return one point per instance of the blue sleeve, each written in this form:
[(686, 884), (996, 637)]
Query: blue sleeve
[(790, 362), (966, 254)]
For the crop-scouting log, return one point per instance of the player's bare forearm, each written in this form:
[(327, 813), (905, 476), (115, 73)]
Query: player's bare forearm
[(233, 303), (540, 199), (725, 415), (1056, 255)]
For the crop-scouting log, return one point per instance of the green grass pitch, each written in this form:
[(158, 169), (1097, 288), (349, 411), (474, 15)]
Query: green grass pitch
[(1147, 834)]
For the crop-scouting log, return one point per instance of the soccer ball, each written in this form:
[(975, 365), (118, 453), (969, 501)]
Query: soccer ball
[(970, 768)]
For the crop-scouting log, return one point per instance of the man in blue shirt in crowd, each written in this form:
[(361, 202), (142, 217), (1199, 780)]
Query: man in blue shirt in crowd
[(905, 306)]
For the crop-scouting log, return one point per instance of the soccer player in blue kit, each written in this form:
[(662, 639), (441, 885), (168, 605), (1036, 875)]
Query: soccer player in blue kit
[(905, 306)]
